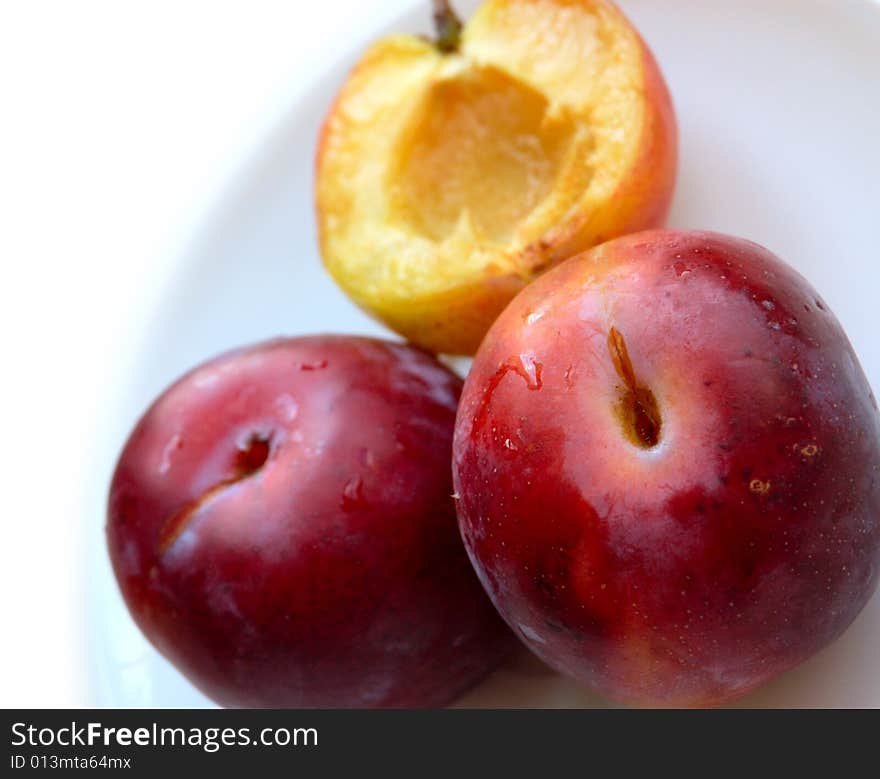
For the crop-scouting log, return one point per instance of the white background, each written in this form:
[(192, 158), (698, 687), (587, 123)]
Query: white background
[(121, 120)]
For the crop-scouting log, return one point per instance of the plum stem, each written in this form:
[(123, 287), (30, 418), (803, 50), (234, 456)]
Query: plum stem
[(638, 409), (447, 27)]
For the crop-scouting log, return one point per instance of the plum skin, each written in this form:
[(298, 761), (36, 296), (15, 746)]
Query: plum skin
[(745, 540), (282, 528)]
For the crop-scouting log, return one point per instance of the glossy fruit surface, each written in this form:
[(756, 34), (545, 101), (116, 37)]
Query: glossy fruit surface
[(282, 528), (668, 459)]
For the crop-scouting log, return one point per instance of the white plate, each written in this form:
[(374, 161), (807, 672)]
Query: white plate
[(778, 103)]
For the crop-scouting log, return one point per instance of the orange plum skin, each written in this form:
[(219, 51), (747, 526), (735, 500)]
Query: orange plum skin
[(282, 529), (745, 540), (644, 196)]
